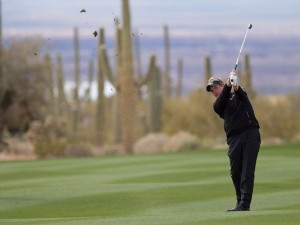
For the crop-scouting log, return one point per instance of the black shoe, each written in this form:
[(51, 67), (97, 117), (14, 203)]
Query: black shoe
[(238, 209)]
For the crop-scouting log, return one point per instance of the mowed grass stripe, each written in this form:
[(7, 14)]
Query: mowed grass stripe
[(180, 188), (287, 217)]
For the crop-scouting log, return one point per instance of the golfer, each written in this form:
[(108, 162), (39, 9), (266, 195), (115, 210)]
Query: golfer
[(242, 133)]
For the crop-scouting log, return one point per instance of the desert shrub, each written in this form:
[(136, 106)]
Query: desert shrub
[(17, 148), (159, 142), (49, 138), (50, 148), (151, 143), (78, 150), (193, 114), (181, 141), (279, 116), (26, 76)]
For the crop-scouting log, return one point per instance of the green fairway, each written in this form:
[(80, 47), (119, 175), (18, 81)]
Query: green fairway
[(181, 188)]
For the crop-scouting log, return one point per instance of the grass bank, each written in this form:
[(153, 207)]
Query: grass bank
[(181, 188)]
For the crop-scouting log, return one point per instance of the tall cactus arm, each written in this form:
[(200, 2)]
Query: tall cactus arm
[(151, 68), (104, 63)]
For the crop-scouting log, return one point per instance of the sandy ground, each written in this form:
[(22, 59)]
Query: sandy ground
[(17, 149)]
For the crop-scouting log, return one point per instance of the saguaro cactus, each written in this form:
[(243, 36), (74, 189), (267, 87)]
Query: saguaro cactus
[(179, 78), (77, 81), (1, 55), (138, 56), (61, 96), (166, 75), (128, 89), (2, 84), (126, 85), (155, 96), (114, 80), (49, 77), (100, 114), (117, 117), (207, 69), (90, 80), (248, 76)]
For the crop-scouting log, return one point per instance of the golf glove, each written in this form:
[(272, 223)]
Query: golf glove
[(233, 79)]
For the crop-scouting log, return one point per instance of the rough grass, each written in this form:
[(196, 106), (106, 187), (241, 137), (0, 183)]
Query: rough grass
[(179, 188)]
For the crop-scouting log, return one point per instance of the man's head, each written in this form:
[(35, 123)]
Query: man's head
[(215, 85)]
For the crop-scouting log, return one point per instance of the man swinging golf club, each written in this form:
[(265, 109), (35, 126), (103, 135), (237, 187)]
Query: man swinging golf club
[(242, 133)]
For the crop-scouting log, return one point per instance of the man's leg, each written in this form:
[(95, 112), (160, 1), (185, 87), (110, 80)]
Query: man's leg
[(235, 157), (250, 152)]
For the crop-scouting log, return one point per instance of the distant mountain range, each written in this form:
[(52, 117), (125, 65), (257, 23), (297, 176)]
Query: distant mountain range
[(275, 61)]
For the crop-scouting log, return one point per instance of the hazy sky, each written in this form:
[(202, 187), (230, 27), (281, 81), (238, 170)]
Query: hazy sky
[(189, 18), (197, 19)]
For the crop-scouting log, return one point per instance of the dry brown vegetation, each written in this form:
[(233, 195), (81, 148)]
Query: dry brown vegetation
[(279, 117), (188, 123)]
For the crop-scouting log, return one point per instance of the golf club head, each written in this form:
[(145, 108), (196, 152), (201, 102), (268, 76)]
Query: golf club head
[(249, 26)]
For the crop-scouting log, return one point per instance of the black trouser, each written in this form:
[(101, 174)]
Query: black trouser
[(243, 151)]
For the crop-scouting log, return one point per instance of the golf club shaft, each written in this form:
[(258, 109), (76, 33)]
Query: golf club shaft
[(237, 60)]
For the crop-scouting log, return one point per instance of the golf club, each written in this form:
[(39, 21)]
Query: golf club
[(237, 60)]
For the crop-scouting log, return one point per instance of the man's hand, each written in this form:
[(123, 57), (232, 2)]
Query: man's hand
[(233, 78)]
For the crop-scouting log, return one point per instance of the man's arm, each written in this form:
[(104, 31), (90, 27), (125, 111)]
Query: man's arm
[(241, 93), (221, 101)]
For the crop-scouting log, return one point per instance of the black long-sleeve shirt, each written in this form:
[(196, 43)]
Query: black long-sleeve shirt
[(236, 110)]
